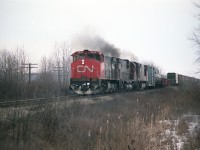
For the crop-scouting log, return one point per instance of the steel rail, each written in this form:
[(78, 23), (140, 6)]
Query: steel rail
[(27, 102)]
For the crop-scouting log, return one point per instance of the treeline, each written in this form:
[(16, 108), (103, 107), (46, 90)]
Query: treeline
[(20, 79)]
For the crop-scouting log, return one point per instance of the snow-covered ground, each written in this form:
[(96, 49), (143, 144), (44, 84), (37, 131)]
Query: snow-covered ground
[(180, 131)]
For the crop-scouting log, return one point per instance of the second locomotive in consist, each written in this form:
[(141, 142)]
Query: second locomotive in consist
[(92, 72)]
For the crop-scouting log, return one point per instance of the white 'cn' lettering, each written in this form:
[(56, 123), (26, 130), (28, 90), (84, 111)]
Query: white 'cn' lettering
[(81, 68)]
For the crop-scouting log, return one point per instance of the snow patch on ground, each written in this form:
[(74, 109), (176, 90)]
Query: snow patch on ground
[(180, 137)]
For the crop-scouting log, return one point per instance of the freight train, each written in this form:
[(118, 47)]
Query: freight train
[(92, 72)]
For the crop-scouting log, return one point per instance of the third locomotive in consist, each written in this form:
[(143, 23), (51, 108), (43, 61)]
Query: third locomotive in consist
[(92, 72)]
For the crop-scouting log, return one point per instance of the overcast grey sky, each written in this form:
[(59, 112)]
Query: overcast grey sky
[(153, 30)]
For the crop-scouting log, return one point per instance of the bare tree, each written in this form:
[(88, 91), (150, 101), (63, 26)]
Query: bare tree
[(195, 37), (61, 62), (21, 58), (11, 73), (47, 84), (53, 77), (8, 71)]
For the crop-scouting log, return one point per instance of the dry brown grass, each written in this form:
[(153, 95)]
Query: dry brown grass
[(182, 126), (129, 122)]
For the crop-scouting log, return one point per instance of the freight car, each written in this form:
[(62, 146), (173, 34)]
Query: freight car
[(178, 79), (172, 78), (92, 72), (161, 80)]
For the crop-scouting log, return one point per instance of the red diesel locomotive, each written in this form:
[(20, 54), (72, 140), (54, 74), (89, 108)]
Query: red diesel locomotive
[(86, 70), (92, 72)]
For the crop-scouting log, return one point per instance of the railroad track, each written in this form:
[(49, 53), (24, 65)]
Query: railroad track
[(37, 101), (27, 102)]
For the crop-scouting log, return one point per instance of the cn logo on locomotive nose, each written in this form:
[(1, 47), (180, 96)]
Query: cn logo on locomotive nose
[(81, 68)]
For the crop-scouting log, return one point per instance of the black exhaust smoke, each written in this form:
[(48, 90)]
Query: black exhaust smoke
[(95, 42), (106, 48)]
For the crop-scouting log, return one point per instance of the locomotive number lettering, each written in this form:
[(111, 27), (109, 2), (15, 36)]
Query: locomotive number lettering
[(82, 68)]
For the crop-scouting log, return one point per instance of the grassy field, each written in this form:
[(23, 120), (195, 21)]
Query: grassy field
[(154, 120)]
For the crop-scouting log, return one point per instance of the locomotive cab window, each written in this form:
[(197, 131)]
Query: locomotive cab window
[(94, 56), (79, 56)]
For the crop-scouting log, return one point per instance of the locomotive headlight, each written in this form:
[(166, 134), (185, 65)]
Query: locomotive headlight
[(83, 61), (76, 87), (88, 83)]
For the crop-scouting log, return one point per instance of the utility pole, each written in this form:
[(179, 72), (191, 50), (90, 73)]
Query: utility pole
[(30, 66), (58, 69)]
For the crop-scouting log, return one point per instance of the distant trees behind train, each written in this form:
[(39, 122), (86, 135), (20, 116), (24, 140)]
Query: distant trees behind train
[(22, 78)]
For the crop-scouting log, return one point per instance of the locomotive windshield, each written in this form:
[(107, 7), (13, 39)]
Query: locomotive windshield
[(87, 55), (94, 56), (79, 56)]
